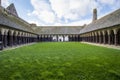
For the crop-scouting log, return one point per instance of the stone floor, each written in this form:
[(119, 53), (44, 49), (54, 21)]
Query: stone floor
[(104, 45)]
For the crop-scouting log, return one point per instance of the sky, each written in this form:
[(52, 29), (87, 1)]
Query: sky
[(61, 12)]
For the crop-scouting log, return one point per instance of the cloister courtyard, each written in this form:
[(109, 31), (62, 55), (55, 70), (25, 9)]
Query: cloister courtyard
[(60, 61)]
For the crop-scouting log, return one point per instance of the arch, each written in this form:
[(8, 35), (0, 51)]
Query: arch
[(9, 38), (0, 35), (22, 38), (1, 40), (105, 37), (14, 38), (118, 36), (18, 38), (112, 37), (5, 38)]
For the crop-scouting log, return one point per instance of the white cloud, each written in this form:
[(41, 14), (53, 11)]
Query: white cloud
[(107, 1), (43, 11), (67, 12), (5, 3), (76, 23)]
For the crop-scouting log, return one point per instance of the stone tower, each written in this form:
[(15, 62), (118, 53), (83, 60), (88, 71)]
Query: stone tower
[(0, 2), (94, 14)]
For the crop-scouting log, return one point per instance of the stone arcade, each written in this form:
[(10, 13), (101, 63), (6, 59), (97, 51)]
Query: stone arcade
[(15, 31)]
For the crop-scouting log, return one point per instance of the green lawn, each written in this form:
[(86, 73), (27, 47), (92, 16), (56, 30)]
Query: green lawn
[(60, 61)]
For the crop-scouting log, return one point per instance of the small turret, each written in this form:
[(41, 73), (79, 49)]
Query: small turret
[(0, 3), (94, 14)]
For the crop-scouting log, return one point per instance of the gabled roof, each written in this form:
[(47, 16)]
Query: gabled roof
[(58, 30), (11, 21), (109, 20), (11, 8)]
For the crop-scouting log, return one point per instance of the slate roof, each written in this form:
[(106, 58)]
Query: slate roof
[(11, 8), (11, 21), (58, 29), (109, 20)]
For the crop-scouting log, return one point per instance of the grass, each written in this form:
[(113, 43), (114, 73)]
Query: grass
[(60, 61)]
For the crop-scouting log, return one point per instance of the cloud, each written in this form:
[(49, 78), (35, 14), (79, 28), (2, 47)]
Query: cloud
[(5, 3), (43, 11), (75, 23), (68, 12)]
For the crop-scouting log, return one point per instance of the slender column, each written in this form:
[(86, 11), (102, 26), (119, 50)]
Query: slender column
[(103, 32), (99, 37), (115, 37), (1, 36), (57, 38), (63, 38)]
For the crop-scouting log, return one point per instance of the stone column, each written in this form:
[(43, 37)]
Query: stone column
[(104, 41), (57, 37), (1, 37), (99, 37), (63, 38), (115, 36)]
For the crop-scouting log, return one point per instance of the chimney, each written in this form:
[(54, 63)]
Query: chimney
[(94, 14)]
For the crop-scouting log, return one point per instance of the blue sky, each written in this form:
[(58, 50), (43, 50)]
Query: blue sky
[(61, 12)]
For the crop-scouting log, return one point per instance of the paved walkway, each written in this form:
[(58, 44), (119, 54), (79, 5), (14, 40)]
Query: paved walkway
[(14, 47), (104, 45)]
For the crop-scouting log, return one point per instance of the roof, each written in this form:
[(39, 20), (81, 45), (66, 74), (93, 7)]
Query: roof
[(11, 21), (12, 9), (109, 20), (58, 29)]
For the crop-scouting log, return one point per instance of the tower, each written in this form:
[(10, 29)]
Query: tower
[(94, 14), (0, 2), (11, 8)]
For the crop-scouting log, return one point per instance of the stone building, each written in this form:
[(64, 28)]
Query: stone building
[(15, 31), (105, 30), (59, 33)]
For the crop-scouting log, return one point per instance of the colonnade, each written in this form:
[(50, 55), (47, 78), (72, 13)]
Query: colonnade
[(74, 37), (11, 37), (48, 37), (105, 36)]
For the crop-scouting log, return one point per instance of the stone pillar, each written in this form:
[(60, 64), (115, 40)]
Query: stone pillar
[(57, 37), (10, 38), (99, 34), (103, 37), (93, 37), (115, 36), (63, 38), (0, 2), (1, 39)]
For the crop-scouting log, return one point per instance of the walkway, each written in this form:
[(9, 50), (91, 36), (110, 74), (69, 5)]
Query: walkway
[(14, 47), (104, 45)]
